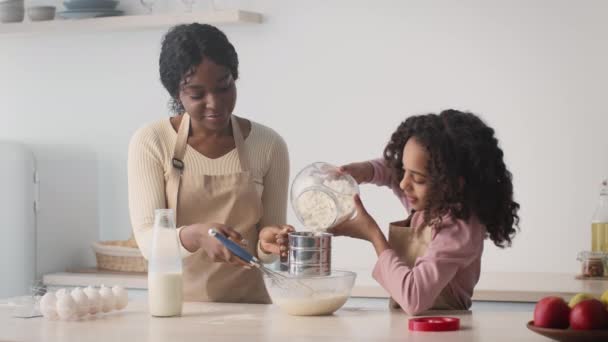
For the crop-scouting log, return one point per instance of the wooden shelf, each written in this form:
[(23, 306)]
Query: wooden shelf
[(132, 22)]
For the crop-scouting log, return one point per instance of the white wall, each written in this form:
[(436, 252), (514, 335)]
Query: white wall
[(335, 78)]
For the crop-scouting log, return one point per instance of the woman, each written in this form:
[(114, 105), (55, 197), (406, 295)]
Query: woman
[(212, 168)]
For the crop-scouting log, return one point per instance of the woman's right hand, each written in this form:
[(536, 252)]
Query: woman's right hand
[(362, 172), (196, 237)]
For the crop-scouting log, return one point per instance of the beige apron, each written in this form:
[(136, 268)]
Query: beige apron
[(409, 244), (230, 199)]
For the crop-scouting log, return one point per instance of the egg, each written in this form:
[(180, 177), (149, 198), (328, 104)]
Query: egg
[(82, 301), (122, 297), (107, 299), (66, 306), (95, 304), (48, 306)]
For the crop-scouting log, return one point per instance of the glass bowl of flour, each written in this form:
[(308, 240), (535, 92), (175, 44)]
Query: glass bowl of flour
[(312, 295), (322, 196)]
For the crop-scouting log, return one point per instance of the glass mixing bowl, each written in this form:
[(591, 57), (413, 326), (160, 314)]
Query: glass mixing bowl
[(322, 196), (312, 295)]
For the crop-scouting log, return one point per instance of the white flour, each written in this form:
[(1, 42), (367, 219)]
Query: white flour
[(316, 305), (319, 211), (344, 193), (230, 318)]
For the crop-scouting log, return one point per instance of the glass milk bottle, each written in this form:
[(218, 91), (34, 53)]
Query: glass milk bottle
[(165, 267), (599, 223)]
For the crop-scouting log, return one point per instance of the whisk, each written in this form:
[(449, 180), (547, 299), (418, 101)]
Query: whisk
[(277, 278)]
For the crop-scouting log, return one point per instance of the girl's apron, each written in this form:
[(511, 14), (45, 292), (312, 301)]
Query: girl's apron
[(409, 244)]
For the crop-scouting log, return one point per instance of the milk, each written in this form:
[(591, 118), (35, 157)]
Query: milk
[(165, 294)]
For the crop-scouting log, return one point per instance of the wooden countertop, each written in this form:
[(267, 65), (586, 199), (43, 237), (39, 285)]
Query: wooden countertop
[(251, 322), (502, 287)]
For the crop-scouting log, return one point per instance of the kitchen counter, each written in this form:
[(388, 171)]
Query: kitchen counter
[(358, 319), (502, 287)]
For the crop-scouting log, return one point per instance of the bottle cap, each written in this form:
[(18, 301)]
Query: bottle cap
[(434, 324)]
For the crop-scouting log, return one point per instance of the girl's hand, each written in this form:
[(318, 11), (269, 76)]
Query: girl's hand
[(273, 239), (196, 237), (363, 226), (362, 172)]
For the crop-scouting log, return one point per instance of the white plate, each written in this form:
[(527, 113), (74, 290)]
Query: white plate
[(85, 14), (90, 4)]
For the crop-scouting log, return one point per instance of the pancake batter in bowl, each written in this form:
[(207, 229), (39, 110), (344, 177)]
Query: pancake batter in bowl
[(317, 304)]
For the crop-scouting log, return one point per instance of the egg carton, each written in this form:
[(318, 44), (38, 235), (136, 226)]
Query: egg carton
[(74, 305), (64, 305)]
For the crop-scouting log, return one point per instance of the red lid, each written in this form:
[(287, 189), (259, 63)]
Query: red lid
[(434, 324)]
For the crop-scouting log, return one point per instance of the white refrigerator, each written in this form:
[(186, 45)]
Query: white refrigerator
[(18, 202)]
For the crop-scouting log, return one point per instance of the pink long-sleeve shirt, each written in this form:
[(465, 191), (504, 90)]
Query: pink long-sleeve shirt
[(452, 259)]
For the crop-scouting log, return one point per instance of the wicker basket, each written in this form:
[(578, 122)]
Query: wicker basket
[(119, 255)]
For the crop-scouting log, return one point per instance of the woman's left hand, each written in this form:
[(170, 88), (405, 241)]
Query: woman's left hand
[(273, 239), (363, 226)]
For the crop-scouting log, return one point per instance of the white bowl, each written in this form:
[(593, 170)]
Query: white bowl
[(11, 16), (11, 4), (11, 7), (90, 4), (41, 13), (311, 295)]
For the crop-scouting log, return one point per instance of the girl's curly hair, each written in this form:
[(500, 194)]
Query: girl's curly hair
[(467, 173)]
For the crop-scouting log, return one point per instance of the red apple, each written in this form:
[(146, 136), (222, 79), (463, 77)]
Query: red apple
[(589, 315), (551, 312)]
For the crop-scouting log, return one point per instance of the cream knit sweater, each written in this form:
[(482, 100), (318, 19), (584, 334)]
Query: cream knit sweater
[(149, 165)]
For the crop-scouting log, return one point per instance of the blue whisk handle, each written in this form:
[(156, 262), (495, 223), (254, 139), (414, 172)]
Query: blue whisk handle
[(234, 247)]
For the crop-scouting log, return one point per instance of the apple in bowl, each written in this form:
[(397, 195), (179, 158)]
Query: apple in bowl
[(589, 314), (552, 312)]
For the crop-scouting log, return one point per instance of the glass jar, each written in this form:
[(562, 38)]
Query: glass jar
[(323, 197), (592, 263), (599, 221)]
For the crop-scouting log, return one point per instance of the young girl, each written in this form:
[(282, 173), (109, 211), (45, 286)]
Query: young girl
[(455, 182)]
